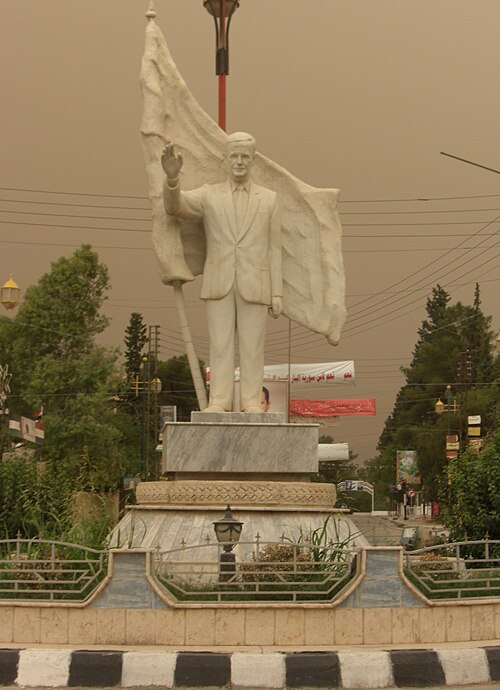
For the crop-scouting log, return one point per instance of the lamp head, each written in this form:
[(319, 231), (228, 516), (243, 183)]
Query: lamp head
[(439, 407), (9, 294), (228, 530), (214, 7)]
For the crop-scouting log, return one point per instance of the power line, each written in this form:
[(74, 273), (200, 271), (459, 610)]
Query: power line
[(413, 212), (406, 224), (373, 310), (148, 208), (147, 230), (76, 205), (86, 194), (150, 248), (73, 227), (418, 199), (464, 160), (376, 294), (308, 338), (345, 201), (418, 271)]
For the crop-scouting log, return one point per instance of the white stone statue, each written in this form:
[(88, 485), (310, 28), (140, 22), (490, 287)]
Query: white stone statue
[(312, 271), (242, 271)]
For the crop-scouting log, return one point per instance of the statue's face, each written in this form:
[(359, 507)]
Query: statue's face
[(239, 159)]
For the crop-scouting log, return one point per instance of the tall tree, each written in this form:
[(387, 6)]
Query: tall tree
[(455, 347), (54, 360), (60, 315), (135, 339), (470, 495), (177, 386)]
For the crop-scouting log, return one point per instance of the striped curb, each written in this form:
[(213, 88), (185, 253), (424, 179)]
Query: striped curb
[(343, 669)]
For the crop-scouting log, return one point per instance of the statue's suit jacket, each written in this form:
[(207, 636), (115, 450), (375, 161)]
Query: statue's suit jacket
[(248, 256)]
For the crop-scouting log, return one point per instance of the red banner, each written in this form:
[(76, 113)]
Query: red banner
[(333, 408)]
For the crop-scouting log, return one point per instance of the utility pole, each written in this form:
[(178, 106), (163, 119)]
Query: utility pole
[(151, 390)]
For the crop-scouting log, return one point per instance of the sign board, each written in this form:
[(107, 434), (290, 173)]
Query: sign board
[(273, 397), (328, 372), (453, 446), (474, 431), (476, 444), (168, 413), (407, 468), (333, 451), (5, 378), (321, 372), (474, 419), (355, 485), (333, 408)]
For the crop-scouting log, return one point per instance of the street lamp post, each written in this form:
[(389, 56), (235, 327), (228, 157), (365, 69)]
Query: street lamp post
[(5, 377), (222, 12), (146, 386), (227, 531), (450, 407)]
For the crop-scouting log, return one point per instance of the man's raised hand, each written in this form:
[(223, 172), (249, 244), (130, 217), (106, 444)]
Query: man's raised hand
[(171, 163)]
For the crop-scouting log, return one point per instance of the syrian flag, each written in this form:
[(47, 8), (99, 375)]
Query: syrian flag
[(15, 426), (39, 433)]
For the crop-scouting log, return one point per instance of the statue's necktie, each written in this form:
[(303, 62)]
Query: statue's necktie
[(240, 198)]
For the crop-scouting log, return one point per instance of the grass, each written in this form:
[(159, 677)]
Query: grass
[(455, 585)]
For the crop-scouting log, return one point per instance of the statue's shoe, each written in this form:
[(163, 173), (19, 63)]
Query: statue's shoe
[(214, 408), (253, 409)]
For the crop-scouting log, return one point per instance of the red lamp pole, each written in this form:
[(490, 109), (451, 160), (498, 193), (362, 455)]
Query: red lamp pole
[(222, 12), (222, 75)]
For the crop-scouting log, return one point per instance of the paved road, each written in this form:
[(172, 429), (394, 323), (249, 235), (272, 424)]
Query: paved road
[(379, 530)]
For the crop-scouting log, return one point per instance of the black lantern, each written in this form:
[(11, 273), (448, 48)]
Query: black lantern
[(227, 531), (221, 11)]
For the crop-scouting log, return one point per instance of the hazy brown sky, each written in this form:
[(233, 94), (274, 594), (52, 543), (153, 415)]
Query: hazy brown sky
[(351, 94)]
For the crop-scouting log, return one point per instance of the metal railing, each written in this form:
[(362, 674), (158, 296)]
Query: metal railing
[(261, 572), (456, 571), (42, 570)]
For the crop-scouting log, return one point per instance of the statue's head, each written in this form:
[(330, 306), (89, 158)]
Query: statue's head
[(239, 155)]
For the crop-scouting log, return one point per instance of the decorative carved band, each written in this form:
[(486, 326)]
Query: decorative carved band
[(218, 493)]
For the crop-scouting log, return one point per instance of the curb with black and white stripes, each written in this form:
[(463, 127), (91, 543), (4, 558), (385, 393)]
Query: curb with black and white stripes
[(332, 669)]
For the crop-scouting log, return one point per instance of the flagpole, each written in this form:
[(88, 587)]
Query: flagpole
[(194, 365), (289, 376)]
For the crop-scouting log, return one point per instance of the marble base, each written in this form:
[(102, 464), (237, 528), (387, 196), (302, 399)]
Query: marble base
[(146, 528), (239, 417), (206, 495), (240, 446)]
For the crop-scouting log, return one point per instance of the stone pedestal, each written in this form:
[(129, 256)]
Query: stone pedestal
[(226, 444), (256, 463)]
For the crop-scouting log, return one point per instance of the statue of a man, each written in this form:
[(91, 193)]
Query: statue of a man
[(242, 275)]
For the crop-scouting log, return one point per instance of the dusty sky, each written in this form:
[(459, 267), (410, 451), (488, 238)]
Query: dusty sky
[(352, 94)]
